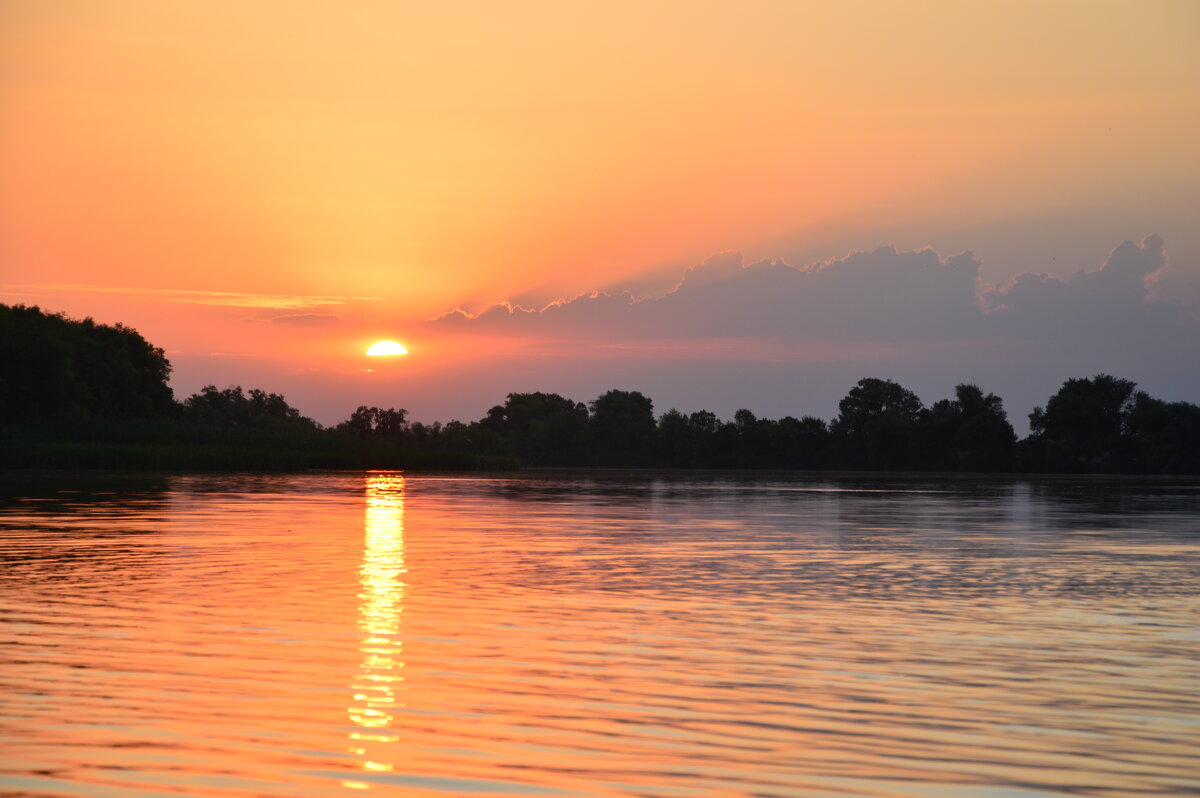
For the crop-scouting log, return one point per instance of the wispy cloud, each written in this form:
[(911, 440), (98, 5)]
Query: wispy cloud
[(183, 296), (307, 319)]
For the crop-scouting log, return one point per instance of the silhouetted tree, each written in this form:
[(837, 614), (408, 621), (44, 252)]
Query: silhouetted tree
[(361, 423), (674, 444), (55, 367), (540, 428), (1081, 427), (622, 425), (801, 444), (968, 433), (877, 425), (104, 386), (704, 422), (456, 437), (1164, 436), (391, 423), (233, 408), (377, 424)]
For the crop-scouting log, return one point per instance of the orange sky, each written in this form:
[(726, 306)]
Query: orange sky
[(226, 163)]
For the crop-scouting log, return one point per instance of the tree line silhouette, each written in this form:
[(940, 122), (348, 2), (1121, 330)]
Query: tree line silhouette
[(83, 394)]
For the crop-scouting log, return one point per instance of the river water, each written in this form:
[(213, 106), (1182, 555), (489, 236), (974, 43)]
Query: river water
[(598, 635)]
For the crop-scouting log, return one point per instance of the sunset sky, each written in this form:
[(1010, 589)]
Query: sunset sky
[(266, 188)]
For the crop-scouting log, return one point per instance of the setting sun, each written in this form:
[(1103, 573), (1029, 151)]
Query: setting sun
[(798, 400), (380, 348)]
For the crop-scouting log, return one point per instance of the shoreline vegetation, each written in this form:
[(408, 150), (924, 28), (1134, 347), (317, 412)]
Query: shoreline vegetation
[(79, 395)]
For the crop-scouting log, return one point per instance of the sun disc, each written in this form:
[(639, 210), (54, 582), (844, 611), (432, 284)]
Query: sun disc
[(380, 348)]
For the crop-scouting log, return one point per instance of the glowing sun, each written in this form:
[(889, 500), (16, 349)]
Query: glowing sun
[(386, 348)]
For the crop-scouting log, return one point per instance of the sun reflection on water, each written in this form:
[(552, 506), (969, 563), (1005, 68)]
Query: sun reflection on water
[(381, 604)]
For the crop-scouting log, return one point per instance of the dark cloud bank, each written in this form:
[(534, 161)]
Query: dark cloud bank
[(925, 320), (884, 295)]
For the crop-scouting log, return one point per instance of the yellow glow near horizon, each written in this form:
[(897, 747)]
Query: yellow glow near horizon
[(326, 179), (384, 348)]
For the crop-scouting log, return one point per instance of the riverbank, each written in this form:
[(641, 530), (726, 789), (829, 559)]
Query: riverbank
[(135, 445)]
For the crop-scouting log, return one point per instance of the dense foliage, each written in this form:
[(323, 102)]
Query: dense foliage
[(232, 408), (81, 394), (1106, 424), (77, 394), (54, 367), (1098, 425)]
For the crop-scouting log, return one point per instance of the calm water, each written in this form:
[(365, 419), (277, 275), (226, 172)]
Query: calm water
[(338, 634)]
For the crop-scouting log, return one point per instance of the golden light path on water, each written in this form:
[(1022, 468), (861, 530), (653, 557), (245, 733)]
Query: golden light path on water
[(377, 685), (592, 635)]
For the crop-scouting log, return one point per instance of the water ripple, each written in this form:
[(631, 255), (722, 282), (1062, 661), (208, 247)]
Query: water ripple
[(583, 635)]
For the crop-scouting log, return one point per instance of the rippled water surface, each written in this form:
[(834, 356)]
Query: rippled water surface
[(583, 635)]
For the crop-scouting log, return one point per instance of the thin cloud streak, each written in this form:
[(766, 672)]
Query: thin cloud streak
[(308, 319), (189, 297)]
